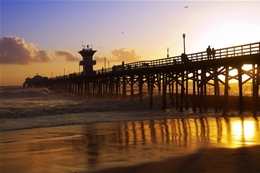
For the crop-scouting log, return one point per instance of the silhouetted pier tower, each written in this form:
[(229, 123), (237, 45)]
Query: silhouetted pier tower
[(87, 62)]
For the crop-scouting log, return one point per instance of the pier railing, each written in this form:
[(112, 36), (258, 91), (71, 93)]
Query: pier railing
[(241, 50), (247, 49)]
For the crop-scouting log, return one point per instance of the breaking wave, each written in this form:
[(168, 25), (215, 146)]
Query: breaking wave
[(19, 92)]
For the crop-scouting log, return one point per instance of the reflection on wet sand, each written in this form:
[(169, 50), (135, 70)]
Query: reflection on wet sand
[(155, 139), (92, 147)]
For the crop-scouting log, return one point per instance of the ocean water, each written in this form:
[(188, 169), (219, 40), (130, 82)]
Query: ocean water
[(107, 133), (39, 107)]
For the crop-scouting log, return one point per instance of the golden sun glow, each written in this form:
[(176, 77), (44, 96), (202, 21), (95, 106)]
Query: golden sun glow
[(234, 33), (234, 73), (243, 132)]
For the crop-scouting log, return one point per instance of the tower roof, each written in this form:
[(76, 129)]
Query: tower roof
[(87, 52)]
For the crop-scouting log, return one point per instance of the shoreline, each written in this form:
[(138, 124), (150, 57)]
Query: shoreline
[(79, 111), (157, 114)]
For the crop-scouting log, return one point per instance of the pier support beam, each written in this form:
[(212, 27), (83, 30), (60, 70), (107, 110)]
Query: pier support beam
[(159, 79), (187, 91), (124, 86), (177, 93), (132, 86), (111, 87), (117, 86), (94, 88), (205, 103), (256, 81), (182, 91), (164, 91), (225, 106), (194, 78), (202, 83), (240, 88), (151, 90), (216, 90), (140, 79), (172, 92)]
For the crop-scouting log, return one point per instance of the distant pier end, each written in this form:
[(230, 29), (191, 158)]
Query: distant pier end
[(87, 62)]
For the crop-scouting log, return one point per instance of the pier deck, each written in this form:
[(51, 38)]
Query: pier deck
[(185, 80)]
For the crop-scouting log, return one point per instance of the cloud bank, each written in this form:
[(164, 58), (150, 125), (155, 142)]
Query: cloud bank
[(119, 55), (68, 56), (15, 50)]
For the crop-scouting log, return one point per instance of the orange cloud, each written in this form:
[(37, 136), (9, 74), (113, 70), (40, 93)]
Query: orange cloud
[(119, 55), (67, 55), (15, 50)]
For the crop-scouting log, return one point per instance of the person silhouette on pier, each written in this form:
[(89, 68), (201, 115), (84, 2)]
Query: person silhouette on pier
[(213, 53), (184, 58), (123, 65), (208, 52)]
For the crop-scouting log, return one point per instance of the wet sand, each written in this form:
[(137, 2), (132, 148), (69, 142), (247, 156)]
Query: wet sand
[(239, 160), (167, 145)]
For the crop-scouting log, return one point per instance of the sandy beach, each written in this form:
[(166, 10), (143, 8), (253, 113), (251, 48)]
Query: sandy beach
[(239, 160), (167, 145)]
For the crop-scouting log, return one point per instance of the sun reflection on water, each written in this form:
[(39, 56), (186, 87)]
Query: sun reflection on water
[(138, 141), (243, 132), (133, 142)]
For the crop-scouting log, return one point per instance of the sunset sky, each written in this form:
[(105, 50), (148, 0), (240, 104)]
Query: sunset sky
[(44, 37)]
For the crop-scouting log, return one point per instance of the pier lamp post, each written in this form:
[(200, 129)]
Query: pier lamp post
[(183, 35)]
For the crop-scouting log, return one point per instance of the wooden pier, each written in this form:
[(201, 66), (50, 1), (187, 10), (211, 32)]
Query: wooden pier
[(185, 80)]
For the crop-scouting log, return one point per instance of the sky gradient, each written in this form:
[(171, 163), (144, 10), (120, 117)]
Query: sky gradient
[(44, 37)]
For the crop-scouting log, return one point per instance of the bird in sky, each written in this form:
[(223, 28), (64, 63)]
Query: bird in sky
[(186, 6)]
